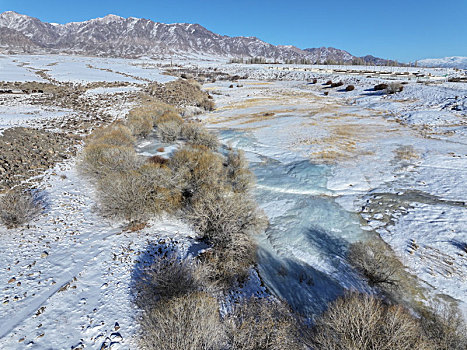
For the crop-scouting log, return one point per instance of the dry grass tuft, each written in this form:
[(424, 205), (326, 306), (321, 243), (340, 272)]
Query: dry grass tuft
[(18, 207)]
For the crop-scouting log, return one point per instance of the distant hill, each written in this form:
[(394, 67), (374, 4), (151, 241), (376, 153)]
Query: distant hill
[(446, 62), (115, 36)]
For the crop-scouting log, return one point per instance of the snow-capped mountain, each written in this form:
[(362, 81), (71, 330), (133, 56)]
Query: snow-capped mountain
[(132, 37), (446, 62)]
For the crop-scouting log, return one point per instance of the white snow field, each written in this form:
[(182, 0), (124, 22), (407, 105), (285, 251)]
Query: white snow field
[(331, 170), (79, 69)]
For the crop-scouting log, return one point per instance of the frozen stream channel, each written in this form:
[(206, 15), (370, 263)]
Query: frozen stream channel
[(302, 253)]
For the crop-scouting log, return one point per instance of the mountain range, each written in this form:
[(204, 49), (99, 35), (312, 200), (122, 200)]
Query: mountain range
[(446, 62), (115, 36)]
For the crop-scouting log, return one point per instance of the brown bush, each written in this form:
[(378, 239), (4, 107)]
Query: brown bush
[(207, 104), (262, 324), (195, 134), (363, 322), (326, 93), (315, 80), (329, 82), (160, 149), (158, 160), (375, 262), (380, 87), (167, 277), (101, 159), (189, 322), (340, 83), (220, 216), (445, 327), (226, 221), (164, 191), (137, 195), (18, 207), (150, 107), (350, 88), (230, 264), (238, 174), (196, 167), (169, 132), (115, 134), (169, 116), (392, 88), (140, 125), (124, 196)]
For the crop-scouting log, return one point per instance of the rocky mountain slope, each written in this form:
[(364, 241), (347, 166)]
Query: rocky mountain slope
[(134, 37)]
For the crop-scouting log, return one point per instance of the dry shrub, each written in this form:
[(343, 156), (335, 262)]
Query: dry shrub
[(195, 134), (169, 116), (164, 192), (135, 196), (17, 207), (262, 324), (158, 160), (207, 104), (350, 88), (169, 132), (340, 83), (238, 174), (380, 87), (224, 266), (196, 167), (220, 216), (160, 149), (113, 135), (167, 277), (189, 322), (445, 328), (375, 262), (150, 107), (140, 125), (363, 322), (100, 159), (125, 196), (227, 221), (392, 88), (329, 82)]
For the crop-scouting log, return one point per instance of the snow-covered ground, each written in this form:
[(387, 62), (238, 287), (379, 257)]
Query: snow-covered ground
[(331, 170), (66, 277), (79, 69)]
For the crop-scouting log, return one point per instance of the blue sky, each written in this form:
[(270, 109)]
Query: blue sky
[(405, 30)]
